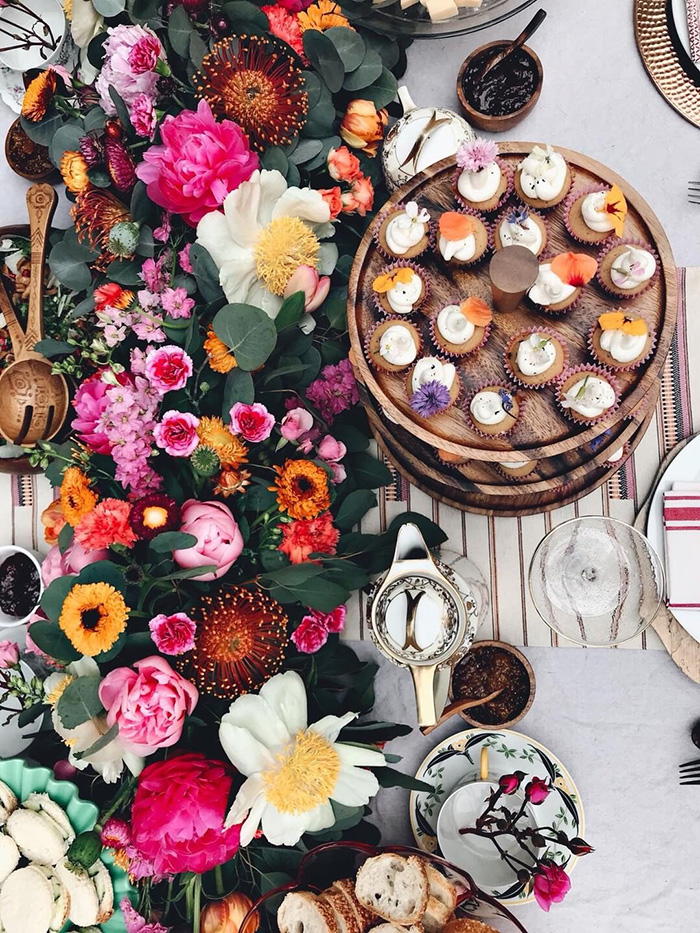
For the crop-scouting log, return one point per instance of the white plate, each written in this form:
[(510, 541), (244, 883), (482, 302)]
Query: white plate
[(684, 468)]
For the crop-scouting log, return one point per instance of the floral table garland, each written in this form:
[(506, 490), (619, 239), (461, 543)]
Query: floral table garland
[(221, 163)]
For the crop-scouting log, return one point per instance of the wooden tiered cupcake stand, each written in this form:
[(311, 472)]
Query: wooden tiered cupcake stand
[(571, 460)]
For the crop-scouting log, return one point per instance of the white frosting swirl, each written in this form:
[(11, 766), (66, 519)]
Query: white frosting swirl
[(632, 267), (463, 249), (549, 288), (536, 355), (487, 408), (406, 229), (543, 173), (590, 396), (431, 369), (594, 213), (521, 233), (616, 456), (402, 296), (453, 326), (481, 185), (397, 345), (621, 346), (514, 464)]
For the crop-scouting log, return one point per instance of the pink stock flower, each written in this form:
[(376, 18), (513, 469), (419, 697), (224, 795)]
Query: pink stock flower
[(334, 391), (537, 791), (71, 562), (168, 368), (177, 819), (551, 884), (133, 921), (9, 653), (219, 540), (117, 70), (176, 303), (162, 233), (310, 635), (156, 275), (177, 433), (145, 54), (115, 834), (199, 162), (330, 449), (253, 422), (184, 258), (343, 165), (315, 287), (143, 116), (295, 423), (477, 154), (148, 704), (173, 634)]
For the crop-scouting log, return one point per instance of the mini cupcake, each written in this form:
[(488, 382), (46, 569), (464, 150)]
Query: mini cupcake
[(400, 289), (432, 386), (627, 269), (617, 456), (586, 394), (493, 410), (619, 341), (521, 227), (462, 239), (462, 328), (536, 358), (403, 231), (482, 181), (543, 178), (517, 468), (393, 345), (595, 214), (561, 281)]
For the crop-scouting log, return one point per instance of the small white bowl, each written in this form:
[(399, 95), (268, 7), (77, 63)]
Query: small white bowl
[(25, 59), (7, 550)]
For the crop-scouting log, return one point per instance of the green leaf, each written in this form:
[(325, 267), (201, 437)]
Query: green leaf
[(279, 858), (305, 583), (172, 541), (305, 151), (188, 572), (99, 177), (323, 55), (368, 472), (353, 507), (50, 348), (274, 159), (327, 258), (248, 332), (65, 538), (101, 743), (389, 777), (259, 498), (383, 90), (354, 439), (72, 272), (50, 639), (369, 733), (145, 11), (349, 44), (54, 595), (337, 313), (82, 308), (239, 387), (66, 138), (121, 108), (102, 571), (124, 271), (205, 272), (43, 132), (367, 71), (198, 49), (141, 207), (80, 701), (290, 312), (29, 715), (109, 7), (313, 88), (95, 119), (243, 13), (180, 28)]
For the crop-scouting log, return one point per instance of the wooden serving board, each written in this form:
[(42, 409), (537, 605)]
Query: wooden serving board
[(542, 430)]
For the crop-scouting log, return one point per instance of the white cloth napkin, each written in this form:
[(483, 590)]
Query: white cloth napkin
[(682, 545)]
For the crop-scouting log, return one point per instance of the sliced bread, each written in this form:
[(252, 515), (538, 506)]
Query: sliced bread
[(84, 902), (467, 925), (8, 802), (395, 928), (365, 918), (342, 911), (441, 902), (394, 887), (101, 878), (303, 912)]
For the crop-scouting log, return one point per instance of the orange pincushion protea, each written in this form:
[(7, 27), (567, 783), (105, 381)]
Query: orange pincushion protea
[(77, 499), (302, 488), (94, 213)]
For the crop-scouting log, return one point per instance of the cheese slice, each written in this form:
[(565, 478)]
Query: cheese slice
[(439, 10)]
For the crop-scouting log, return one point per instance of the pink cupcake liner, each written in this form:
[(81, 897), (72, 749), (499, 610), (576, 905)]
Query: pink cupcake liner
[(379, 220), (525, 478), (550, 207), (472, 423), (459, 400), (472, 262), (450, 353), (641, 244), (625, 367), (394, 320), (568, 204), (535, 330), (519, 206), (394, 267), (469, 208), (543, 260), (601, 371), (621, 462)]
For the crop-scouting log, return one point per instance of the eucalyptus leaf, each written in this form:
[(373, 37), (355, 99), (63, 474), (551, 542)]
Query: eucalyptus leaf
[(50, 639), (121, 108), (353, 507), (349, 44), (324, 56), (313, 86), (141, 207), (327, 258), (389, 777), (198, 49), (180, 29), (293, 177), (238, 387), (291, 311), (205, 272), (368, 71), (99, 177), (125, 272), (337, 313), (98, 745), (383, 90), (50, 348), (109, 7), (94, 119), (43, 131), (65, 139), (172, 541), (368, 472), (241, 12), (71, 272), (305, 584), (274, 159), (259, 498), (145, 11), (80, 701), (248, 332), (65, 538), (306, 150), (82, 308)]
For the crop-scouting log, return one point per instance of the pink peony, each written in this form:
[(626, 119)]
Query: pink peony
[(219, 540), (253, 422), (551, 884), (310, 635), (148, 705), (198, 164), (295, 423), (173, 634), (118, 71), (9, 653), (168, 368), (177, 818), (71, 562), (330, 449), (144, 118), (90, 403), (177, 433)]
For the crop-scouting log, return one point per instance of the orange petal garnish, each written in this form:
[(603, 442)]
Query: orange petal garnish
[(611, 320), (476, 311), (454, 226), (616, 209), (403, 276), (382, 283), (636, 328), (574, 268)]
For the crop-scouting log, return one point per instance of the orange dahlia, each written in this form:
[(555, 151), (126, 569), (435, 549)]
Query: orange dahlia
[(39, 95), (77, 499), (93, 617), (322, 15), (302, 488), (220, 357)]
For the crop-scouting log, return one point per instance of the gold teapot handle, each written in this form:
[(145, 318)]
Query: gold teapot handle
[(424, 685)]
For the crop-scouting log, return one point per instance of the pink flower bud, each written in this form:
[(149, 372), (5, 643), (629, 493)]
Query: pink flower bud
[(510, 783), (537, 791), (330, 449), (306, 279), (295, 423)]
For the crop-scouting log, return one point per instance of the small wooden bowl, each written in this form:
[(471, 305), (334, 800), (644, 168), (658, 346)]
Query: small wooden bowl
[(51, 174), (496, 124), (467, 714)]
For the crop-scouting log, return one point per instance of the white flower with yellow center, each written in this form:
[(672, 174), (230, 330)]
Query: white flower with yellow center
[(266, 231), (293, 770)]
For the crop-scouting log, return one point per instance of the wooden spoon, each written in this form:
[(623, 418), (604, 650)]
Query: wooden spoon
[(33, 400), (457, 707), (504, 53)]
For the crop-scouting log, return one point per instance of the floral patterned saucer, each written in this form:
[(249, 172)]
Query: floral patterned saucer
[(455, 761)]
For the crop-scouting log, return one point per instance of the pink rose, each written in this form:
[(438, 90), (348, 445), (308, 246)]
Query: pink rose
[(330, 449), (253, 422), (295, 423), (168, 368), (177, 433), (144, 55), (510, 783), (219, 540), (311, 635), (359, 197), (340, 474), (199, 162), (173, 634), (148, 705), (71, 562), (343, 165), (551, 884), (315, 287), (9, 653), (333, 199), (143, 116)]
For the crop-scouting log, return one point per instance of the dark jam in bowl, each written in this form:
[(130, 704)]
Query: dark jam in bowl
[(19, 585), (485, 670), (506, 88)]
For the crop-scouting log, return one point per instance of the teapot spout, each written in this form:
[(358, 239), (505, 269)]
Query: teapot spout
[(410, 544), (406, 99)]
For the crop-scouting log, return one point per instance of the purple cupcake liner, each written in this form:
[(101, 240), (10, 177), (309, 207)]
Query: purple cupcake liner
[(622, 367), (417, 270), (570, 201), (471, 208), (620, 293), (515, 207), (472, 423), (601, 371), (535, 330), (379, 220), (451, 263), (451, 354), (392, 320)]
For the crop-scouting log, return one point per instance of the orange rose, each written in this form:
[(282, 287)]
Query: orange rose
[(343, 165), (332, 198), (74, 171), (53, 521), (363, 126), (359, 198)]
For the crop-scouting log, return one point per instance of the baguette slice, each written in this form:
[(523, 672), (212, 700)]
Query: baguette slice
[(342, 911), (436, 916), (365, 918), (394, 887), (303, 912), (467, 925), (441, 903)]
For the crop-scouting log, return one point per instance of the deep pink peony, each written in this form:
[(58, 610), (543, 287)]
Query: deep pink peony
[(198, 164), (219, 540), (90, 403), (72, 561), (551, 884), (177, 819), (148, 705)]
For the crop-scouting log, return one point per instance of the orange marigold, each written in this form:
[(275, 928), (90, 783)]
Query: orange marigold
[(212, 432), (302, 488), (39, 95), (93, 617), (221, 359), (74, 171), (77, 499), (322, 15)]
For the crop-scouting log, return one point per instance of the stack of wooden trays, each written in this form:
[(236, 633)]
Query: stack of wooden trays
[(571, 459)]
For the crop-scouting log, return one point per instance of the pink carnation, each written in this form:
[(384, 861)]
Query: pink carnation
[(173, 634), (118, 71), (253, 422), (285, 26), (168, 368), (310, 635), (143, 116), (177, 433), (145, 54), (198, 164)]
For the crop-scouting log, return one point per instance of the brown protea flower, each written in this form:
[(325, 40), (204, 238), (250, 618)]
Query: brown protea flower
[(120, 164), (91, 150), (39, 95), (94, 214)]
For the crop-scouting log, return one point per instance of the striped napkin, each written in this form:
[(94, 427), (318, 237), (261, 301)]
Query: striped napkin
[(682, 545)]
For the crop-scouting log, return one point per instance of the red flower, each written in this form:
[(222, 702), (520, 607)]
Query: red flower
[(335, 621), (537, 791), (253, 422), (107, 524), (111, 295), (510, 783), (309, 536), (286, 27), (579, 846), (551, 884), (311, 635)]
